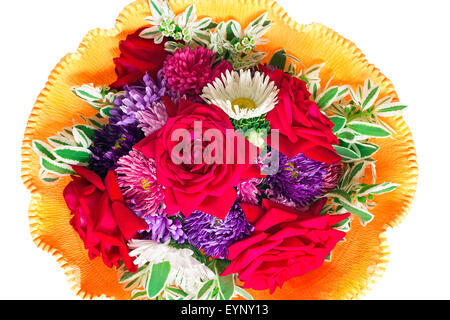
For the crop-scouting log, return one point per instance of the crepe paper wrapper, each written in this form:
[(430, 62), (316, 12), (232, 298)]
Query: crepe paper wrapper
[(356, 263)]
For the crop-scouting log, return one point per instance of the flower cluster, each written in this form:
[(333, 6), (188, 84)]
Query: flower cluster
[(203, 165)]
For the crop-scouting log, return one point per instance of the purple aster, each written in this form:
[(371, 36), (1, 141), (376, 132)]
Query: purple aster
[(161, 229), (301, 180), (136, 176), (111, 143), (215, 236), (141, 97)]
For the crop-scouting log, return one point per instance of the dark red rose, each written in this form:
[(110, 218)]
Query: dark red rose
[(205, 185), (138, 56), (302, 127), (286, 243), (101, 218)]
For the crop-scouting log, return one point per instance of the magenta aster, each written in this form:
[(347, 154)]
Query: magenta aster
[(137, 179), (188, 70)]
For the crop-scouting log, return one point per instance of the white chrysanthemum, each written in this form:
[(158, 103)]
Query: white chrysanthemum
[(241, 95), (186, 272)]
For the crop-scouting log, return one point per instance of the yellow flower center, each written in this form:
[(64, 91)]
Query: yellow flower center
[(244, 103), (146, 185)]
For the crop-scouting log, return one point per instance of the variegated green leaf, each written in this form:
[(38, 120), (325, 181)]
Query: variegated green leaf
[(205, 289), (371, 97), (279, 59), (367, 149), (369, 129), (57, 168), (243, 293), (378, 189), (364, 215), (339, 123), (43, 150), (327, 97), (345, 153), (81, 138), (158, 279), (73, 155), (390, 109)]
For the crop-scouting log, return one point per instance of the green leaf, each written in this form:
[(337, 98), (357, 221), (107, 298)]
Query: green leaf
[(347, 135), (390, 109), (73, 155), (353, 172), (369, 129), (346, 153), (158, 279), (81, 138), (89, 131), (243, 293), (56, 167), (371, 97), (150, 32), (378, 188), (340, 195), (50, 180), (226, 286), (232, 30), (339, 123), (259, 19), (205, 289), (279, 59), (43, 150), (57, 141), (342, 225), (327, 98), (128, 275), (129, 284), (105, 112), (138, 294), (367, 149), (363, 215), (155, 8), (176, 292), (188, 11)]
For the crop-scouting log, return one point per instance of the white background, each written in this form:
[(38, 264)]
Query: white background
[(407, 40)]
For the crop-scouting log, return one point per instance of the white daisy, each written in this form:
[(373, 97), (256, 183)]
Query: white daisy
[(242, 95), (186, 272)]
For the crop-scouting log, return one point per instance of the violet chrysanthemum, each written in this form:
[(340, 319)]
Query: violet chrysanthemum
[(301, 180), (161, 229), (136, 177), (111, 143), (215, 236), (143, 96), (188, 70)]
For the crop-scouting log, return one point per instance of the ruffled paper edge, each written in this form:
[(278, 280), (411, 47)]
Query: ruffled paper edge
[(397, 122)]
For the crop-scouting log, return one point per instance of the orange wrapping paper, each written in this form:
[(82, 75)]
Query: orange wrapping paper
[(356, 262)]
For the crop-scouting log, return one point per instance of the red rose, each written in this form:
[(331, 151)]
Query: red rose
[(302, 127), (207, 186), (100, 217), (286, 243), (138, 56)]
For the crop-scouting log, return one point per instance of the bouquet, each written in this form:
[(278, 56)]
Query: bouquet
[(202, 157)]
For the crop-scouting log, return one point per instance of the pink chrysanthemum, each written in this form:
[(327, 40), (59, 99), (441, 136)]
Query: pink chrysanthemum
[(248, 191), (137, 180), (152, 119), (188, 70)]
